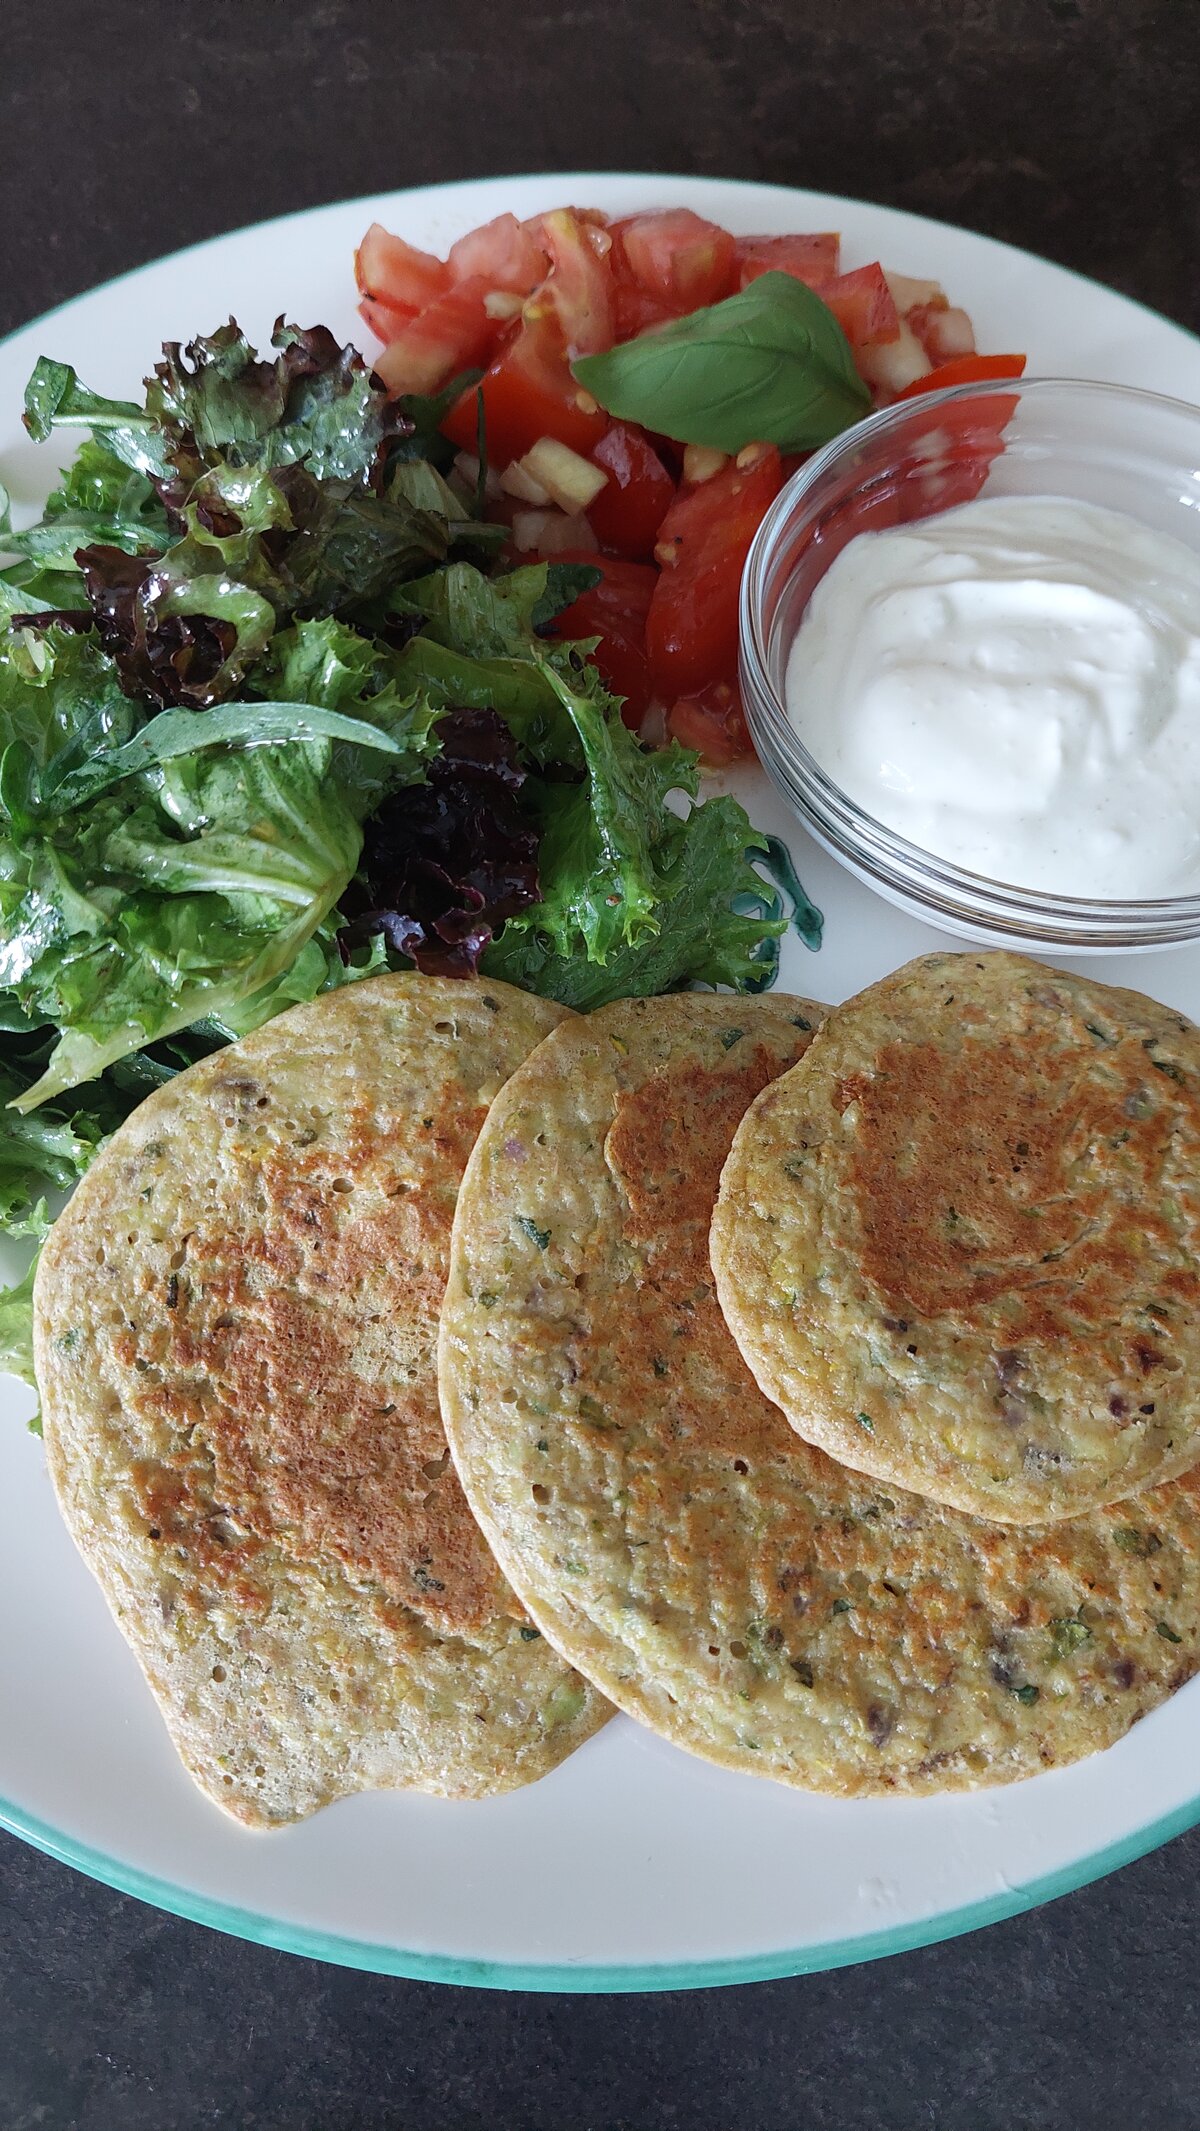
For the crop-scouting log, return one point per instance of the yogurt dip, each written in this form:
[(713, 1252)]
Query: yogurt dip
[(1014, 686)]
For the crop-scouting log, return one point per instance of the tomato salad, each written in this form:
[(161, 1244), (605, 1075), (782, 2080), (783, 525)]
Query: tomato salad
[(525, 307)]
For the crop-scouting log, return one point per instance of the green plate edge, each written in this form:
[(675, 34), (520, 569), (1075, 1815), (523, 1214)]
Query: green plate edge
[(585, 1979)]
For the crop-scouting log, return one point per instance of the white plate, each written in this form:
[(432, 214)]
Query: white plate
[(632, 1867)]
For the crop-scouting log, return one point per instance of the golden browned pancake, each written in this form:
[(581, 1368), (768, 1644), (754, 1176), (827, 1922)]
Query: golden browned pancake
[(719, 1578), (236, 1323), (960, 1243)]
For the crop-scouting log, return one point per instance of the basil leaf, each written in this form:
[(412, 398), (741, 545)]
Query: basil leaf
[(771, 365)]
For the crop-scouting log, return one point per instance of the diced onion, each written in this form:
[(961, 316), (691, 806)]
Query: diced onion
[(907, 292), (949, 334), (701, 462), (550, 532), (516, 480), (893, 364), (569, 480), (503, 303)]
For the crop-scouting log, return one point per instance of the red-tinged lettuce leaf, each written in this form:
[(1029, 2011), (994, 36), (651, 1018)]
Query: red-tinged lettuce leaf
[(444, 863), (185, 627), (316, 402), (181, 659), (247, 493)]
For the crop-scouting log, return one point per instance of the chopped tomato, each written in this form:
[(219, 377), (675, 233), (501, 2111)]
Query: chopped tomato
[(965, 370), (528, 392), (705, 513), (627, 586), (868, 510), (863, 305), (383, 319), (692, 626), (504, 253), (595, 218), (634, 311), (677, 258), (713, 723), (812, 259), (570, 282), (637, 495), (615, 611), (453, 333), (390, 271), (950, 450), (579, 285)]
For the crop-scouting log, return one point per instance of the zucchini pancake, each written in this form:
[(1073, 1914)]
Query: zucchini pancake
[(719, 1578), (960, 1244), (236, 1325)]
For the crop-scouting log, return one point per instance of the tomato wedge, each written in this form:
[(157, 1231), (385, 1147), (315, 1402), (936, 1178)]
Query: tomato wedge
[(453, 333), (528, 392), (384, 320), (634, 310), (713, 723), (692, 626), (965, 370), (390, 271), (812, 259), (615, 611), (863, 305), (677, 258), (578, 288), (503, 253), (949, 450), (627, 513)]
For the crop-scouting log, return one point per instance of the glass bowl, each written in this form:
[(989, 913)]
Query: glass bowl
[(1109, 444)]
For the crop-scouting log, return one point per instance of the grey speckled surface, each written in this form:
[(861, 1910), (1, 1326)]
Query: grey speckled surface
[(127, 129)]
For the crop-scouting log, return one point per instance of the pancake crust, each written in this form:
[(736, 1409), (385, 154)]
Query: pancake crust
[(960, 1244), (720, 1579), (236, 1324)]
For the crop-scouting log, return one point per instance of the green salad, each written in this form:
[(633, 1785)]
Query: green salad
[(274, 717)]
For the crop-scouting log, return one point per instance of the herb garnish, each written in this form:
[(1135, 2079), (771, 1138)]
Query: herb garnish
[(771, 363)]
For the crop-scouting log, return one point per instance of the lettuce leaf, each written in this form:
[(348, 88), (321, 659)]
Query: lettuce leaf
[(245, 493), (47, 1152), (637, 897), (316, 402), (178, 876), (450, 859), (16, 1332), (99, 500)]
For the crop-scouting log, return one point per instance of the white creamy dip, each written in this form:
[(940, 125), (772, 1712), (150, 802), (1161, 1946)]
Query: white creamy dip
[(1015, 687)]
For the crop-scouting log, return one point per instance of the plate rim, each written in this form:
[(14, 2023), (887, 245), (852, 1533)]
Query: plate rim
[(717, 180), (586, 1979), (374, 1957)]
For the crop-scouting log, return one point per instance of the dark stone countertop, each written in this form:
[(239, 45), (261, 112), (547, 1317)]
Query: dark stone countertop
[(126, 130)]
